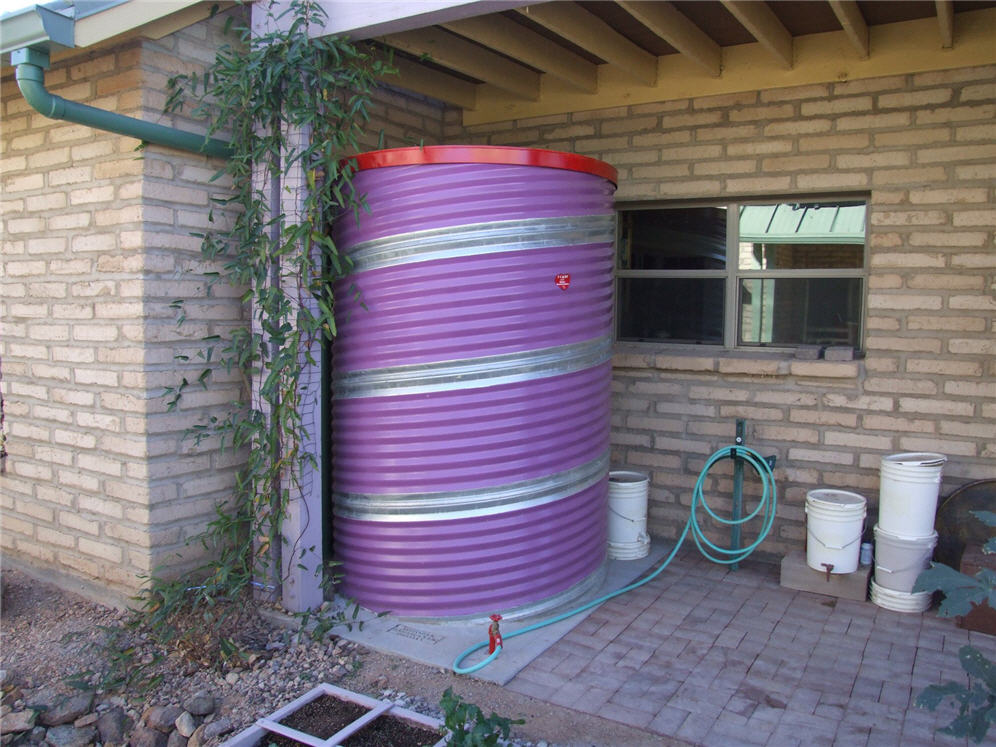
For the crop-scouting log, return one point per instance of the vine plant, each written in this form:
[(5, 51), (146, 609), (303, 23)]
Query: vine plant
[(292, 106)]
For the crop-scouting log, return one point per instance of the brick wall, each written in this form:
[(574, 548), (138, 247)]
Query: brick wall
[(920, 147), (102, 485)]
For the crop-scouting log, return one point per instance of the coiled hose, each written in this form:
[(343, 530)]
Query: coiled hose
[(716, 554)]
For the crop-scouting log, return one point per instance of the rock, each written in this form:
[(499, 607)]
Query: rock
[(161, 718), (232, 677), (218, 727), (201, 703), (144, 736), (66, 735), (111, 725), (5, 677), (17, 721), (197, 738), (37, 735), (88, 719), (176, 740), (185, 724), (66, 710)]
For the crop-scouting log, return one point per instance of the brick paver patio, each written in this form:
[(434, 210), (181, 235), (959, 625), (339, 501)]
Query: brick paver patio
[(720, 657)]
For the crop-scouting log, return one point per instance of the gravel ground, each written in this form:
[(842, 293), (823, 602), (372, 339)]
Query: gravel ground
[(50, 636)]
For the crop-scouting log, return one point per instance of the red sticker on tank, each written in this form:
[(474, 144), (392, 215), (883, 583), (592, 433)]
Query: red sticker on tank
[(563, 280)]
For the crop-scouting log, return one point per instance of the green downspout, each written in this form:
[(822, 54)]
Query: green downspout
[(31, 65)]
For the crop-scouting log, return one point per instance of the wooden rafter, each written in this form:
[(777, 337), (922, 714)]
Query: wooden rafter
[(588, 31), (764, 26), (428, 82), (849, 15), (677, 30), (514, 40), (468, 58), (945, 22)]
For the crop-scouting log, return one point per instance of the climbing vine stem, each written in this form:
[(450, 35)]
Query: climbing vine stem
[(294, 108)]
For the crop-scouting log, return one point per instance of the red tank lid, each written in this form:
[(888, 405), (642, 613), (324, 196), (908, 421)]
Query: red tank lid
[(494, 154)]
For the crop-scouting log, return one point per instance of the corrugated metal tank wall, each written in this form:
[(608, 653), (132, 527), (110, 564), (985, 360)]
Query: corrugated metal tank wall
[(472, 380)]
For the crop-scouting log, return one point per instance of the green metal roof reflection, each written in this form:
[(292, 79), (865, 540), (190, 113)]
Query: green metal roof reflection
[(812, 223)]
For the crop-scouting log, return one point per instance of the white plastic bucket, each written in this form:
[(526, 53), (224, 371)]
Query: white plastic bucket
[(835, 521), (908, 489), (628, 538), (900, 601), (899, 560)]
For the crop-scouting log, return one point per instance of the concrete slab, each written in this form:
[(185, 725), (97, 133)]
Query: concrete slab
[(438, 643), (795, 574)]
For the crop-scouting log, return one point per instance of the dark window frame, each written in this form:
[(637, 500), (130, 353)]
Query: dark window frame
[(732, 275)]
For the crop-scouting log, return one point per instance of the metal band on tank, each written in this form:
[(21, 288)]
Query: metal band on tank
[(482, 238), (469, 503), (474, 373)]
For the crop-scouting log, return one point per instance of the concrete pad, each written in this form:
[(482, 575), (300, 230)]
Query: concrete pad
[(795, 574), (439, 642)]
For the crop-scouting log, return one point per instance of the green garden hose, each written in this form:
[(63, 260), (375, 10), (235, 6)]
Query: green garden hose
[(716, 554)]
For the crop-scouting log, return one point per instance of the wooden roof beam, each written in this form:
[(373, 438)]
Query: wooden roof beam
[(432, 83), (457, 53), (517, 41), (677, 30), (588, 31), (849, 15), (945, 21), (764, 26)]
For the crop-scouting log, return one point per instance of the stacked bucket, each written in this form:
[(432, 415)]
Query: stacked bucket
[(905, 536)]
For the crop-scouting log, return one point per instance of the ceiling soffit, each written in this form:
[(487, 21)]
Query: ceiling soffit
[(555, 57)]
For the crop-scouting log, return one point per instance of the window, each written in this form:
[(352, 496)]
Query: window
[(742, 274)]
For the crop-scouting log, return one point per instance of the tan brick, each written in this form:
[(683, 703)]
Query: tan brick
[(764, 147), (950, 239), (936, 281), (918, 175), (857, 440), (824, 369), (102, 550), (787, 433), (798, 127), (854, 141), (974, 218), (914, 99), (796, 163), (892, 423), (823, 417), (974, 389), (836, 106), (90, 195), (935, 406), (904, 301), (982, 113), (758, 184)]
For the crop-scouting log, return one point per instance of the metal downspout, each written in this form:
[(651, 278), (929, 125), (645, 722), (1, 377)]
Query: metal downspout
[(30, 73)]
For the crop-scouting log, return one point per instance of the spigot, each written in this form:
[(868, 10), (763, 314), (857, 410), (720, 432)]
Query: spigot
[(494, 634)]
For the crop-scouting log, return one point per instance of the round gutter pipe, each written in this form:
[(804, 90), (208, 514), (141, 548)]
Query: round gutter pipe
[(30, 67)]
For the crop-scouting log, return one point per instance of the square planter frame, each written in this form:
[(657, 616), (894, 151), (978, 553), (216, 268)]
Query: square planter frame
[(271, 724)]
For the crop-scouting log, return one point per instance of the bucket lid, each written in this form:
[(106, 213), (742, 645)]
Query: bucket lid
[(916, 459), (836, 498), (625, 476)]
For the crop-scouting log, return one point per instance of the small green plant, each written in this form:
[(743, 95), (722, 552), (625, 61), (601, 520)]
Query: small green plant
[(467, 725), (977, 700), (122, 665)]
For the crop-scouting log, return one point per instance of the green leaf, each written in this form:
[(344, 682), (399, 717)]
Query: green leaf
[(977, 665), (986, 517)]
